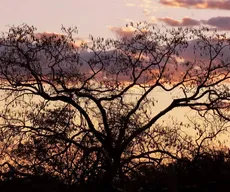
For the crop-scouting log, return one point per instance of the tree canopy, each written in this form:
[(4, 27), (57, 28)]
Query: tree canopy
[(88, 113)]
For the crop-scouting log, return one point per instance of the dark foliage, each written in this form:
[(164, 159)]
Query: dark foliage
[(210, 172)]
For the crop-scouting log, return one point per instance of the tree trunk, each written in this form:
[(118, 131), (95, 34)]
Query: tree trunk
[(110, 174)]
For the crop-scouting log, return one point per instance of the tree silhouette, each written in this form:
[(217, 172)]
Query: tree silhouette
[(89, 114)]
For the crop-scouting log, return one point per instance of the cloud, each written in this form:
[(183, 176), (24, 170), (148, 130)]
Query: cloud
[(153, 19), (220, 23), (47, 62), (56, 36), (123, 32), (184, 22), (130, 5), (198, 4), (146, 5)]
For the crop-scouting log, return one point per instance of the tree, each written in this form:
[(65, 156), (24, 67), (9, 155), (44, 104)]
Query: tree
[(89, 113)]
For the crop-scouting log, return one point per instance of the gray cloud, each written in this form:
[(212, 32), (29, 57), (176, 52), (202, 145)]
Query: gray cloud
[(220, 23)]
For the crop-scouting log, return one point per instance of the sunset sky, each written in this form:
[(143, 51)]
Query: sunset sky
[(106, 17)]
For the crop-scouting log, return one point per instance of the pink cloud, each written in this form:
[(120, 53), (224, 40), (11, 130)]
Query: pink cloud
[(219, 23), (184, 22), (199, 4)]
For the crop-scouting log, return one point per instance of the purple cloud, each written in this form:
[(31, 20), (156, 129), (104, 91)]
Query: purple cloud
[(220, 23), (198, 4)]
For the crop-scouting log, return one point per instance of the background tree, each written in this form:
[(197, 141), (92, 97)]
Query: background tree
[(89, 113)]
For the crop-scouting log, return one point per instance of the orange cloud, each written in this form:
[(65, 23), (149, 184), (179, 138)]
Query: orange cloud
[(184, 22), (123, 32), (130, 3), (199, 4), (56, 36), (146, 5)]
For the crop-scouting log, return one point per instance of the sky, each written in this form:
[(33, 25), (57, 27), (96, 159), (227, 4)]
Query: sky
[(107, 18)]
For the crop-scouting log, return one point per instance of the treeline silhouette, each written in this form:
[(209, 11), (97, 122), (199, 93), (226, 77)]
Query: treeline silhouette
[(207, 172)]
